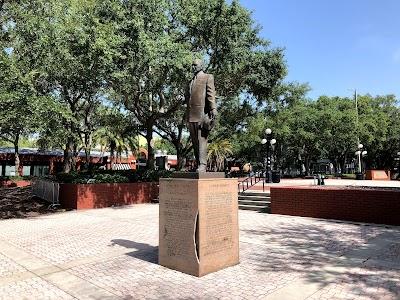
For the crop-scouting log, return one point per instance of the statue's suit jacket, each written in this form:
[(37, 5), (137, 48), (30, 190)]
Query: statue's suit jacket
[(200, 97)]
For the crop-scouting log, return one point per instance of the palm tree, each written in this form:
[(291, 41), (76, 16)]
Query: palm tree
[(117, 133), (116, 142), (218, 151)]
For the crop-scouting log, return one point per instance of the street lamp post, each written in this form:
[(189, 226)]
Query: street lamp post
[(360, 153), (269, 141)]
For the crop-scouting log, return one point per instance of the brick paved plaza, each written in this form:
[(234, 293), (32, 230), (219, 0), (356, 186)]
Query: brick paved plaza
[(112, 254)]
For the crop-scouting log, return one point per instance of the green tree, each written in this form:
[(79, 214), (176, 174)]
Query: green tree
[(161, 41), (164, 145), (72, 46), (379, 129), (337, 129), (21, 107), (152, 65), (173, 131)]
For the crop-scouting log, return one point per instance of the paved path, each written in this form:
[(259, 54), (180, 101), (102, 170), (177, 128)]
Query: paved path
[(112, 254)]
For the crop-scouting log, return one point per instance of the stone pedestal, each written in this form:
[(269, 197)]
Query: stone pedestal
[(199, 231)]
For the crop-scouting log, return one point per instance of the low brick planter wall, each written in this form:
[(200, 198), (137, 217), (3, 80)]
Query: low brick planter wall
[(18, 183), (86, 196), (381, 206)]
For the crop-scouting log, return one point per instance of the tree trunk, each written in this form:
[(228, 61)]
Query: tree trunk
[(336, 165), (87, 158), (88, 146), (113, 146), (342, 163), (307, 165), (67, 159), (150, 151), (75, 155), (180, 155), (16, 156), (68, 164)]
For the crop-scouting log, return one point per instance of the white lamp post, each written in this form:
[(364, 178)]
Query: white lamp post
[(360, 153), (269, 142)]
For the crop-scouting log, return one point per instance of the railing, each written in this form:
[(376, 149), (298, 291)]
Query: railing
[(248, 182), (47, 190)]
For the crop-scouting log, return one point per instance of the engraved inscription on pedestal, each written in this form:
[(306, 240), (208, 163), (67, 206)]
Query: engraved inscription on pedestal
[(198, 224), (178, 213), (219, 240), (178, 226)]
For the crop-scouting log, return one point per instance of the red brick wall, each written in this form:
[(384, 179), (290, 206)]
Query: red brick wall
[(18, 183), (381, 206), (85, 196)]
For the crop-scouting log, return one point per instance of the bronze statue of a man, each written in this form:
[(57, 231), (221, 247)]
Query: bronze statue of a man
[(201, 112)]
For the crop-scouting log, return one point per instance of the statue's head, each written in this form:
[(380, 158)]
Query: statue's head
[(197, 65)]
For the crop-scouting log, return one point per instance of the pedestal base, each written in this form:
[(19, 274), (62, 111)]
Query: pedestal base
[(199, 231)]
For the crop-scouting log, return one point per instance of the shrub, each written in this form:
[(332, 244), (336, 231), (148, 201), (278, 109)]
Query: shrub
[(348, 176), (15, 178), (154, 175), (110, 176)]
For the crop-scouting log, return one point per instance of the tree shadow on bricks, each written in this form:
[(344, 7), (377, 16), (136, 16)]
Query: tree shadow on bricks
[(142, 251), (325, 253)]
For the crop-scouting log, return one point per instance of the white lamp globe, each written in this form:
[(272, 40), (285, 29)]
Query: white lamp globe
[(273, 141), (268, 131), (360, 146), (357, 153), (263, 141), (364, 153)]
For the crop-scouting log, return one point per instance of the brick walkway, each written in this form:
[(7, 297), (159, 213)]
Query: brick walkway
[(112, 254)]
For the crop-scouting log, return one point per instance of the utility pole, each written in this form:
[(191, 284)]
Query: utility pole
[(357, 121)]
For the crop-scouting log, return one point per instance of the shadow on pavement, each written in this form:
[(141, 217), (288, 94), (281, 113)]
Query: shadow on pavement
[(142, 251), (310, 251)]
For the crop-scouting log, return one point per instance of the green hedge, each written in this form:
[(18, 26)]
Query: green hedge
[(348, 176), (15, 178), (110, 176)]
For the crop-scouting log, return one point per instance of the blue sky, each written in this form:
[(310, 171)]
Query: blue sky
[(336, 45)]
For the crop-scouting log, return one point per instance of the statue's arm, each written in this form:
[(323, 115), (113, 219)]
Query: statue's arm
[(211, 95)]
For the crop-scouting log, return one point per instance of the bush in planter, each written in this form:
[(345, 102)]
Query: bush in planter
[(140, 175), (153, 175), (73, 177), (88, 178), (108, 178), (348, 176), (111, 176), (15, 178)]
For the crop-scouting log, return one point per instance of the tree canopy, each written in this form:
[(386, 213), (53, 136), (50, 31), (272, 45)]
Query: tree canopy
[(81, 74)]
